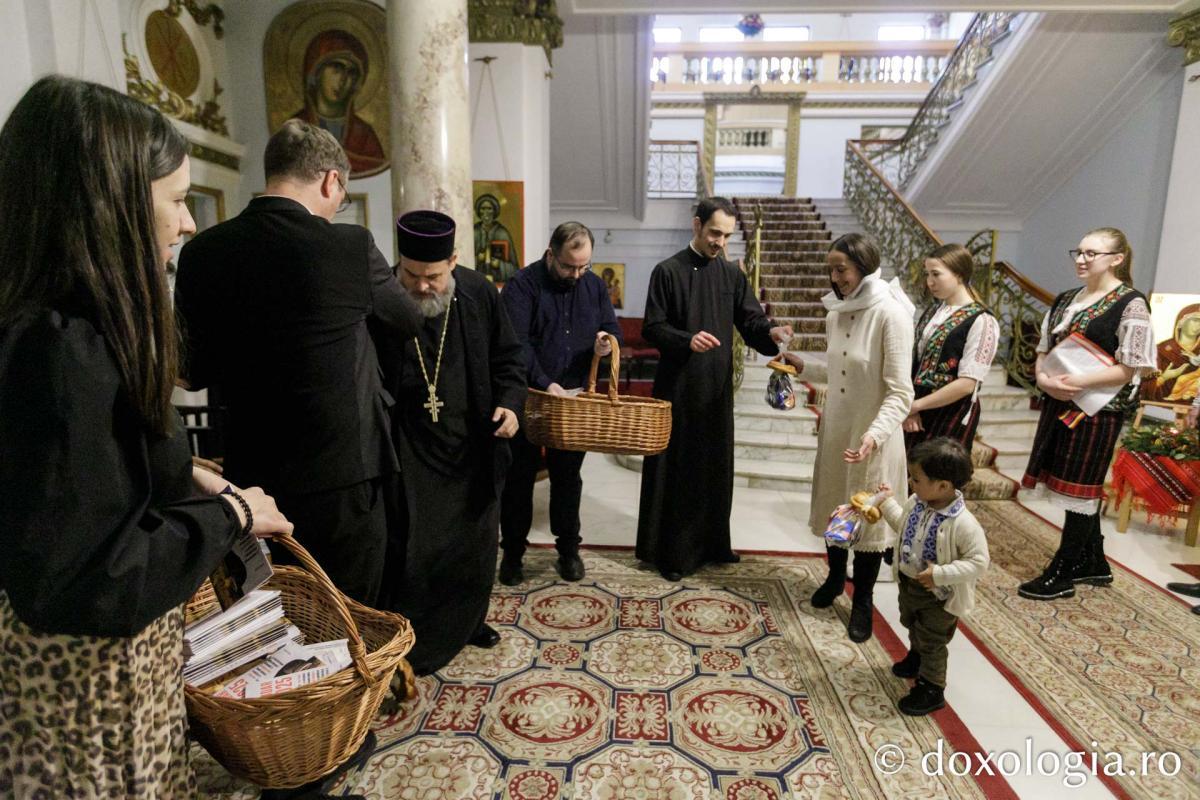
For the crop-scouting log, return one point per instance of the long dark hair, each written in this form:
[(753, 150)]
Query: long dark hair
[(76, 163), (861, 250)]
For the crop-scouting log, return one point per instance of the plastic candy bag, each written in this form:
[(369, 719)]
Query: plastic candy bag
[(847, 521), (780, 394)]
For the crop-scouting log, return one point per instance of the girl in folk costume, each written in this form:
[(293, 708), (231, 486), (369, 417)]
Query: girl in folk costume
[(955, 343), (859, 445), (1072, 451)]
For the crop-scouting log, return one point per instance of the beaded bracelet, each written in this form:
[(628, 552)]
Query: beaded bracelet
[(241, 501)]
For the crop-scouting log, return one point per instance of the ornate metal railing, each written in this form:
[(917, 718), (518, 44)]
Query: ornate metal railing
[(905, 240), (673, 168), (900, 158)]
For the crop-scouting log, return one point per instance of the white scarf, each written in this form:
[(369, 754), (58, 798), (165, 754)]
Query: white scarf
[(871, 290)]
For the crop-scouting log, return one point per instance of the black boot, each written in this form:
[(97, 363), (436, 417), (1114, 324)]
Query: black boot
[(835, 582), (1055, 580), (866, 570), (909, 666), (1093, 567), (570, 567), (924, 698)]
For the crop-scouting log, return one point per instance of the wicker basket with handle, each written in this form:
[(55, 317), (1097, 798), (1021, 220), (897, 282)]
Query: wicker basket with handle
[(298, 736), (600, 423)]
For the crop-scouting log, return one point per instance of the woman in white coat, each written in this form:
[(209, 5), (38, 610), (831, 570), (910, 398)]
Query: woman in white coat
[(869, 341)]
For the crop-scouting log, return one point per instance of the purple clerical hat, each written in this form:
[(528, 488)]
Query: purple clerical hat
[(425, 235)]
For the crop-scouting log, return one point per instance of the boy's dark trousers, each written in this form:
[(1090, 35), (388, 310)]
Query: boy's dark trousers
[(930, 628)]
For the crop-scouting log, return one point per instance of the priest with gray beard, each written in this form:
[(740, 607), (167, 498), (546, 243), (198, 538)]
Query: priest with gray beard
[(460, 389)]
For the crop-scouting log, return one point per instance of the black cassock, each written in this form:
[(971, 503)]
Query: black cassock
[(687, 492), (443, 526)]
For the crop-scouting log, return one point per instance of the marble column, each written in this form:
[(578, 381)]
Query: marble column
[(1176, 270), (431, 122)]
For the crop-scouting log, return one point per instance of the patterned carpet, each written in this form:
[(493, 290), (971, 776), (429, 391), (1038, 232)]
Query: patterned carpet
[(1111, 670), (624, 686)]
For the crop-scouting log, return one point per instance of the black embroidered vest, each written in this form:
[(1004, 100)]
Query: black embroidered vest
[(1100, 322), (939, 366)]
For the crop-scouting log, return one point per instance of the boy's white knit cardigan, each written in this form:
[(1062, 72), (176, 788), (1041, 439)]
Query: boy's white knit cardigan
[(962, 551)]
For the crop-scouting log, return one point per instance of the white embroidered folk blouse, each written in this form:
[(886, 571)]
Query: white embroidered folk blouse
[(980, 349)]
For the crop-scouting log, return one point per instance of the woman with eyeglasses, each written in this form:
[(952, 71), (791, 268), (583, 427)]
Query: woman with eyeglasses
[(1071, 450), (106, 528)]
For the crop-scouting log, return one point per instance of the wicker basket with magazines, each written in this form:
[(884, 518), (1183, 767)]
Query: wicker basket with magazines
[(292, 738), (600, 423)]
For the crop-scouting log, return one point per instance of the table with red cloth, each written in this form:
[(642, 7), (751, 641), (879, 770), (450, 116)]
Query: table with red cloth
[(1161, 485)]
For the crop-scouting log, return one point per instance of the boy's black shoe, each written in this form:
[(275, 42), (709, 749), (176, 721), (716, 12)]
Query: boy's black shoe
[(909, 666), (923, 699)]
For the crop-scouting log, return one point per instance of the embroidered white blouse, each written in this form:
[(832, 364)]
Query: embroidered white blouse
[(980, 349)]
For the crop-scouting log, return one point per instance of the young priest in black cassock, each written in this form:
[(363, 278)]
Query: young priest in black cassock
[(696, 299), (459, 388)]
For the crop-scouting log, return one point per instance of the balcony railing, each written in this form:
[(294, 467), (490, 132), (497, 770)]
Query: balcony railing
[(749, 138), (905, 240), (909, 65), (900, 159), (674, 170)]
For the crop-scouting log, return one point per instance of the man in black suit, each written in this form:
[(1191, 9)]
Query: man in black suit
[(274, 307)]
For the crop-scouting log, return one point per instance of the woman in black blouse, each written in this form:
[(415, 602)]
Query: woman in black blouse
[(106, 529)]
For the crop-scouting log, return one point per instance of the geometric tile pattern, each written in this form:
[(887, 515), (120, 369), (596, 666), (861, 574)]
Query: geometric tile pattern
[(726, 686), (1116, 669)]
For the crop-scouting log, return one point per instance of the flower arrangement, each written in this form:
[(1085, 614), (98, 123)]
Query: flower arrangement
[(1164, 440), (751, 24)]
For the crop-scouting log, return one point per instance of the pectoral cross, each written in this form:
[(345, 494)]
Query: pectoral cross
[(433, 404)]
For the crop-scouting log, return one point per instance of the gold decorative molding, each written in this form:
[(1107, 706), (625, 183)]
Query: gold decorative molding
[(710, 146), (753, 98), (221, 159), (1185, 32), (200, 14), (206, 115), (532, 22), (791, 149)]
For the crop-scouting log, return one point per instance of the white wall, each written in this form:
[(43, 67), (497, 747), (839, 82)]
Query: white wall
[(1123, 185), (517, 116), (1179, 250), (15, 62)]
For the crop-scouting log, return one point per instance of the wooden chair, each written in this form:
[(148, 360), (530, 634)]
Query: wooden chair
[(1125, 502)]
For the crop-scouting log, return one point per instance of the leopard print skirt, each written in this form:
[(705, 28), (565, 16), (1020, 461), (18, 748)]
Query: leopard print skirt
[(91, 716)]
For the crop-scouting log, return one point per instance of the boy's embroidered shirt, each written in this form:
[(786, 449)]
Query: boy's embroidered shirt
[(918, 543)]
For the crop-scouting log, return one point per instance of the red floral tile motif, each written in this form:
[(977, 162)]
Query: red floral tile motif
[(561, 654), (751, 789), (641, 715), (640, 613), (504, 608), (568, 612), (736, 721), (720, 661), (768, 618), (458, 709), (534, 784), (550, 712)]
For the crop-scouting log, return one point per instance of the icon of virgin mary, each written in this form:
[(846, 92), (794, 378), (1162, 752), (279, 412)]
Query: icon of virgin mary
[(1178, 361), (335, 65)]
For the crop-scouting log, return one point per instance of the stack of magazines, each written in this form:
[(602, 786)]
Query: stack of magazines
[(249, 648), (250, 629)]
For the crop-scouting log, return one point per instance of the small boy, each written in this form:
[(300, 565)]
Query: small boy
[(940, 555)]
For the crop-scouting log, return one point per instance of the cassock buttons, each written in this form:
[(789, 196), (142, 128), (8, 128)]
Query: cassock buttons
[(843, 390)]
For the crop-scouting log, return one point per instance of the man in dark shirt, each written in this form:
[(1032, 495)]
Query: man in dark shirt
[(561, 313)]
